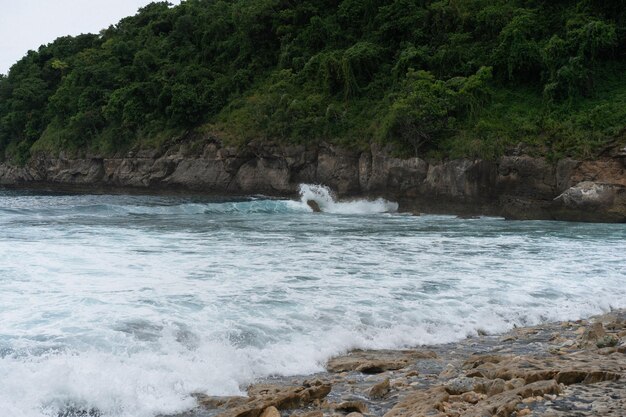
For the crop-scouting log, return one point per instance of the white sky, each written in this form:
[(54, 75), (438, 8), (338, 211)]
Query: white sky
[(27, 24)]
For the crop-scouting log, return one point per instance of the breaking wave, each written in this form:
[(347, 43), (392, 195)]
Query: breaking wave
[(94, 206), (327, 202)]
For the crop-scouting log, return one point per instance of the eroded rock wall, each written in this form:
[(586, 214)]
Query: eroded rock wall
[(518, 187)]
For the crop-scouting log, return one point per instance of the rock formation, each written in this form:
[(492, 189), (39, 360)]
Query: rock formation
[(517, 187), (558, 370)]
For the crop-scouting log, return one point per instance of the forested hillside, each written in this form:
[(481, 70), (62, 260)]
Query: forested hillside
[(437, 79)]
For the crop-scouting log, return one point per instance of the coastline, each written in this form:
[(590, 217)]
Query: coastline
[(365, 372), (514, 186), (570, 368)]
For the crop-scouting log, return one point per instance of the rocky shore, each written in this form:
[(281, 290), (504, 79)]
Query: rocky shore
[(514, 186), (554, 370)]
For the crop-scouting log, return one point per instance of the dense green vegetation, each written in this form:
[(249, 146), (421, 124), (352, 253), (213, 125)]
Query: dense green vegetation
[(441, 78)]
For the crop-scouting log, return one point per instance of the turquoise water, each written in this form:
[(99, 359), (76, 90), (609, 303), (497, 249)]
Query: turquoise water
[(128, 304)]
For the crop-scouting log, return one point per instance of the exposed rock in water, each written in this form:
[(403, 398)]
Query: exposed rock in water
[(593, 197), (314, 206)]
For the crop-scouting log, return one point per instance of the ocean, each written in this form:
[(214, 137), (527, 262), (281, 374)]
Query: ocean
[(126, 305)]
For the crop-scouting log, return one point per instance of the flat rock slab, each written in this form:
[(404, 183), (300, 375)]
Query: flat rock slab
[(377, 361), (266, 399)]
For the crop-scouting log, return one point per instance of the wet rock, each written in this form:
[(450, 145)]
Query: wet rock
[(374, 362), (281, 397), (459, 385), (421, 403), (505, 403), (315, 413), (351, 407), (497, 386), (586, 377), (471, 397), (581, 382), (593, 333), (213, 402), (530, 369), (379, 390), (606, 351), (449, 372), (270, 412), (607, 200), (607, 341), (514, 383), (314, 206), (606, 399), (399, 383), (615, 324)]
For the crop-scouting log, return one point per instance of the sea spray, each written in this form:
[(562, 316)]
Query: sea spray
[(327, 202)]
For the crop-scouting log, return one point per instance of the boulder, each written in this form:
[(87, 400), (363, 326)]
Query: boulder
[(592, 201), (314, 206)]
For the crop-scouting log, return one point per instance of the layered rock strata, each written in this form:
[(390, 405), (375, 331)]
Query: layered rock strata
[(517, 187)]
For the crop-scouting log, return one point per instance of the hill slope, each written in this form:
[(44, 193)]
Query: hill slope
[(443, 78)]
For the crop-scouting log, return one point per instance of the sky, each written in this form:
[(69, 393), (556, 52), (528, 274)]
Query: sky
[(27, 24)]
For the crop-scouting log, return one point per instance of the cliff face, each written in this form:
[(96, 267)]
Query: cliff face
[(518, 187)]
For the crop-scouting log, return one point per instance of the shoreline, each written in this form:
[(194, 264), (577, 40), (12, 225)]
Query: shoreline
[(406, 206), (514, 186), (405, 377), (557, 369)]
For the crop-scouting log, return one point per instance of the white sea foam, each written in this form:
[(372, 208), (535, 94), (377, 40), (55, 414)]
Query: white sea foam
[(328, 203), (131, 310)]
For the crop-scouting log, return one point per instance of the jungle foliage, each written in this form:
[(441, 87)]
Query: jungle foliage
[(443, 78)]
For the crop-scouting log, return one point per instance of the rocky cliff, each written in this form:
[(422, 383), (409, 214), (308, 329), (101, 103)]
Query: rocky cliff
[(518, 187)]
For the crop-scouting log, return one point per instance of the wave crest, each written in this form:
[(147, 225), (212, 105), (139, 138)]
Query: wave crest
[(327, 202)]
